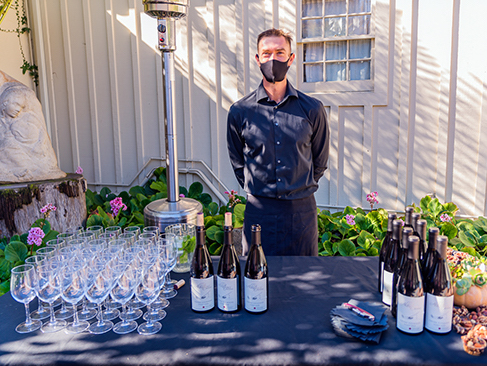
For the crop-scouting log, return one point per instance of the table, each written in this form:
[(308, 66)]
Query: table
[(295, 331)]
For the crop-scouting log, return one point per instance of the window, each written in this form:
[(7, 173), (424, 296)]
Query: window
[(337, 40)]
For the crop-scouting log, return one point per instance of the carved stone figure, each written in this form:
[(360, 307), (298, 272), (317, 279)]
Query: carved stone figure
[(26, 153)]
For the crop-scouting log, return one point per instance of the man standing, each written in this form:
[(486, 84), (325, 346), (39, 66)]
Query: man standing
[(278, 143)]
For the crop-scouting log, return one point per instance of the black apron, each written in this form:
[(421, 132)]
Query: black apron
[(289, 227)]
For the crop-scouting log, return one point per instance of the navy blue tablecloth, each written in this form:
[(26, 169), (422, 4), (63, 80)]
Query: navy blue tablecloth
[(295, 331)]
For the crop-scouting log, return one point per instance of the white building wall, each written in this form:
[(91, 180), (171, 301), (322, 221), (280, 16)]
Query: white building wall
[(420, 131)]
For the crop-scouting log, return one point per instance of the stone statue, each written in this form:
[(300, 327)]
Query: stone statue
[(26, 153)]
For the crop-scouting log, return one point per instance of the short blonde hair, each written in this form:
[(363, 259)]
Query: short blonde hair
[(273, 32)]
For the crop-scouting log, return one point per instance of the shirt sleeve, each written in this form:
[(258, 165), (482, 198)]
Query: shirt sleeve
[(235, 144), (320, 143)]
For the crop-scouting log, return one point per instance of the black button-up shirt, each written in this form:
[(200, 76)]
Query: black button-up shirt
[(278, 150)]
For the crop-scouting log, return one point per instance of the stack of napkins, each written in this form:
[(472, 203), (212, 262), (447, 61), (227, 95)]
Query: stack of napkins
[(361, 320)]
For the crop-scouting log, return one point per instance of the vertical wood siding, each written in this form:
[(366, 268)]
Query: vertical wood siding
[(420, 131)]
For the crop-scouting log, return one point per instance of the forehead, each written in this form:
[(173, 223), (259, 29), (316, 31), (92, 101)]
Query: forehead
[(273, 43)]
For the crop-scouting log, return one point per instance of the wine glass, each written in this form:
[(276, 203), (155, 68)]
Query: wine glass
[(73, 283), (155, 310), (95, 229), (147, 291), (170, 259), (151, 229), (184, 238), (48, 288), (56, 243), (100, 281), (117, 230), (86, 235), (22, 287), (129, 237), (41, 312), (66, 236), (133, 229), (122, 292)]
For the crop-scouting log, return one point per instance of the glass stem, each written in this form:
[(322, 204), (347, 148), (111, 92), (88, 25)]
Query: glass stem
[(124, 312), (75, 316), (28, 320), (85, 305), (149, 318), (40, 308), (52, 319), (100, 310)]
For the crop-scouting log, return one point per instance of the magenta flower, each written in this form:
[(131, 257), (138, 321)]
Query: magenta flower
[(48, 208), (79, 170), (350, 220), (182, 195), (372, 199), (117, 205), (445, 218), (232, 198), (35, 236)]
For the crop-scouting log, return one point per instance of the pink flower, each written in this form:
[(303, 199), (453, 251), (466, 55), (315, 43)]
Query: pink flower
[(182, 195), (35, 236), (47, 209), (372, 199), (445, 218), (79, 170), (117, 204), (350, 219)]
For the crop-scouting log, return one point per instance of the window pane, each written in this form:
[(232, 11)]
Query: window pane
[(335, 7), (312, 8), (360, 70), (359, 49), (312, 28), (334, 27), (313, 73), (359, 25), (358, 6), (336, 50), (336, 71), (313, 52)]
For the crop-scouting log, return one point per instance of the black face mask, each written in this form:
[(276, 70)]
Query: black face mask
[(274, 70)]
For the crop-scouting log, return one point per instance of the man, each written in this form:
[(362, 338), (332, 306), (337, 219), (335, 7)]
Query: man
[(278, 143)]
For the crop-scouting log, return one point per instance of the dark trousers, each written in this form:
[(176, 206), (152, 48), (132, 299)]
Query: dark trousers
[(289, 227)]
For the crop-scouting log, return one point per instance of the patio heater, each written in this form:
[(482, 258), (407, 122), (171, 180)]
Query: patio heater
[(173, 209)]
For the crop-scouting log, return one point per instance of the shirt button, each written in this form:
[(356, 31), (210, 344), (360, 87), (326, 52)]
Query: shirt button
[(277, 124), (279, 196), (278, 162), (278, 142), (279, 179)]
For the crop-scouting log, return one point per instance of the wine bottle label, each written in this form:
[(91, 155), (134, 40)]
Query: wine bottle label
[(202, 293), (410, 313), (255, 295), (381, 276), (387, 289), (227, 292), (439, 312)]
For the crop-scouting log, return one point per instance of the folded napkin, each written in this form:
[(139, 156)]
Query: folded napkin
[(348, 323)]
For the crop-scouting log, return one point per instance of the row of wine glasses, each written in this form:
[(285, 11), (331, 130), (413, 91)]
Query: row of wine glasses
[(95, 270)]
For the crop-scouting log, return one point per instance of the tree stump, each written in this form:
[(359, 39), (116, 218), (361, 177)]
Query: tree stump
[(20, 204)]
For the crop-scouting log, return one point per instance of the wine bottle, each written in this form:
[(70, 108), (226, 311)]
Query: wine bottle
[(415, 217), (410, 292), (401, 259), (408, 217), (429, 257), (202, 281), (228, 276), (439, 292), (421, 226), (256, 280), (390, 262), (386, 243)]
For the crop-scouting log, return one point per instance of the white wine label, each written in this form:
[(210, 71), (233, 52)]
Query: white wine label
[(381, 276), (227, 293), (387, 289), (202, 293), (439, 312), (255, 292), (410, 313)]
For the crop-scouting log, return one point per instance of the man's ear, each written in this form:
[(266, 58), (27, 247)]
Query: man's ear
[(291, 59), (257, 59)]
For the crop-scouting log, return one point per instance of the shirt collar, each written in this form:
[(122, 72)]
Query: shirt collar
[(262, 94)]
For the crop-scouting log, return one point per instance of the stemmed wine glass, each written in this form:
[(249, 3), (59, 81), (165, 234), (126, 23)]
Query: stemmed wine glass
[(147, 291), (22, 287), (168, 291), (100, 281), (48, 288), (73, 282), (41, 312), (95, 229), (122, 292)]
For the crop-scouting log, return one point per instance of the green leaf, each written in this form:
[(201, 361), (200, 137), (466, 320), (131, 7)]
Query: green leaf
[(50, 236), (139, 217), (326, 236), (219, 236), (434, 207), (239, 213), (4, 287), (424, 203), (135, 190), (467, 238), (16, 251), (215, 249), (329, 247), (348, 211), (195, 189), (94, 220), (470, 251), (159, 186), (211, 232), (213, 208), (449, 230), (105, 191), (205, 199), (346, 248), (43, 224), (372, 252)]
